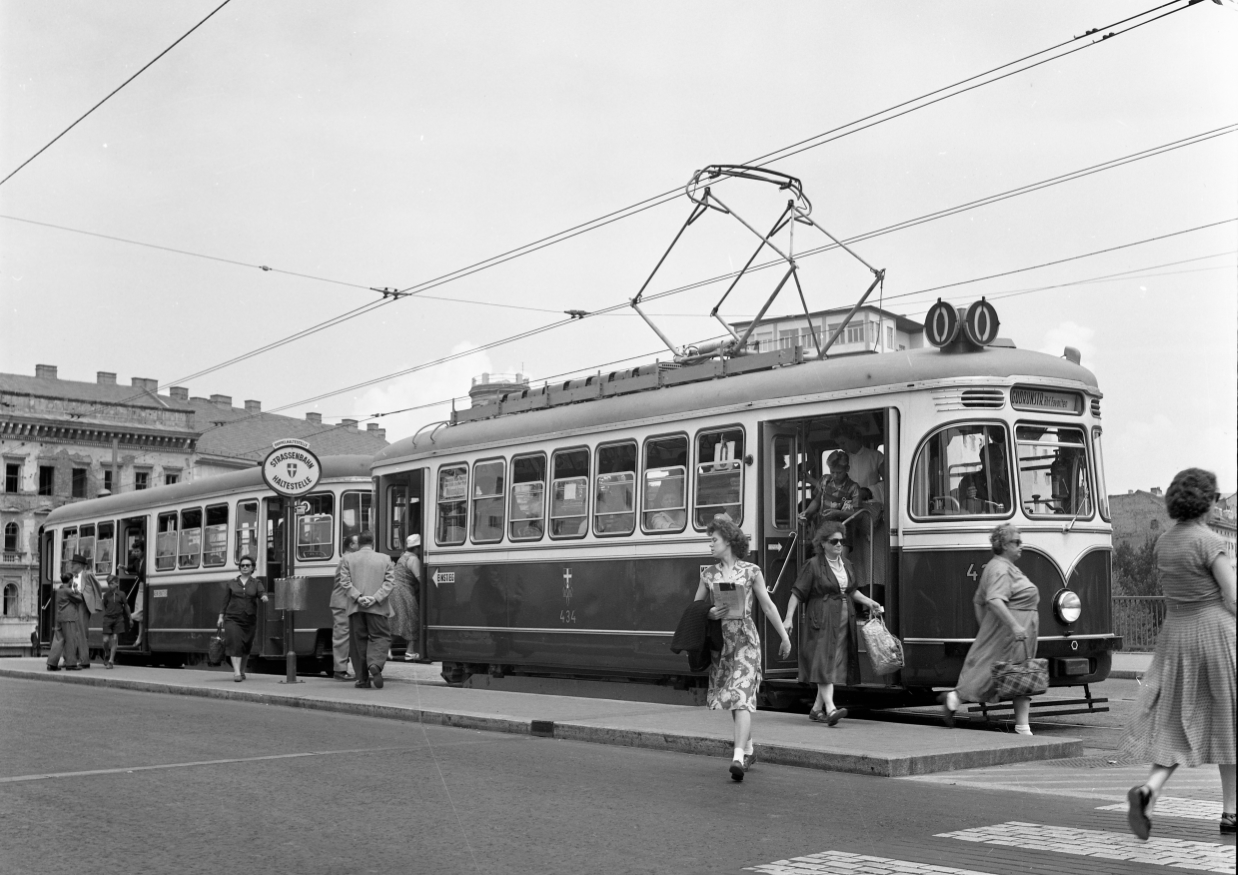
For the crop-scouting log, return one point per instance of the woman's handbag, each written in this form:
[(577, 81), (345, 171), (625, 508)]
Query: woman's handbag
[(215, 649), (1027, 678), (885, 651)]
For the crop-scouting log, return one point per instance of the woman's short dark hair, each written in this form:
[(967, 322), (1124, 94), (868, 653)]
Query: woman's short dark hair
[(823, 533), (731, 533), (66, 577), (1001, 536), (1191, 494)]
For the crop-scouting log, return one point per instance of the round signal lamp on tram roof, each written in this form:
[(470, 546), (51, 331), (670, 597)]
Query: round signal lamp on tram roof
[(981, 323), (941, 324)]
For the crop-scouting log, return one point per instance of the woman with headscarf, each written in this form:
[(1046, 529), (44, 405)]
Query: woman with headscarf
[(406, 621), (1184, 714)]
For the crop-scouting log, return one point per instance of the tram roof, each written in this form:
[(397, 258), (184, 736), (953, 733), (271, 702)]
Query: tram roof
[(890, 369), (333, 467)]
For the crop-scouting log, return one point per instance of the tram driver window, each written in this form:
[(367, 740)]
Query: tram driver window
[(664, 505), (453, 497), (719, 476), (569, 494), (1053, 471), (314, 529), (614, 506), (488, 501), (527, 509), (962, 470)]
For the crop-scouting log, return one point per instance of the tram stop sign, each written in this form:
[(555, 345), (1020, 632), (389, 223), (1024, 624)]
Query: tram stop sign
[(291, 468)]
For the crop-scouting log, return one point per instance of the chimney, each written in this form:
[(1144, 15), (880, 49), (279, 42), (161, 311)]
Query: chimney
[(145, 383), (1156, 490), (105, 378), (180, 393), (223, 401), (350, 424), (45, 372), (372, 429), (253, 406), (315, 418)]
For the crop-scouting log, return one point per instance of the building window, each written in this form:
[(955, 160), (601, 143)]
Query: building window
[(141, 479), (889, 337), (107, 479), (79, 482), (170, 477), (47, 480), (12, 477), (1154, 524), (10, 600), (11, 535)]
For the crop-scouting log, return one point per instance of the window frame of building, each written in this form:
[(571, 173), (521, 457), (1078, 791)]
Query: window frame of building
[(12, 537), (47, 480), (141, 480), (171, 478), (12, 600), (12, 476), (79, 485), (107, 479)]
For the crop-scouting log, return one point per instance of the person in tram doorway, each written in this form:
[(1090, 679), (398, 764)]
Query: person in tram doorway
[(1184, 714), (838, 495), (66, 641), (829, 653), (92, 601), (735, 674), (239, 615), (340, 645), (366, 579), (1005, 603), (405, 618), (115, 619)]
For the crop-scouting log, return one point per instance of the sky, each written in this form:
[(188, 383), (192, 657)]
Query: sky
[(358, 146)]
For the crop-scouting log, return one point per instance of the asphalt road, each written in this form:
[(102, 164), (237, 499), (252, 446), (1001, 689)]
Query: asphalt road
[(110, 781)]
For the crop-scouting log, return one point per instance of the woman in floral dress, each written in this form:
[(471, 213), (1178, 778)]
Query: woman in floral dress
[(735, 674)]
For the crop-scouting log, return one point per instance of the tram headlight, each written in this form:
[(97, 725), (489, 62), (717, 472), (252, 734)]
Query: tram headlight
[(1067, 606)]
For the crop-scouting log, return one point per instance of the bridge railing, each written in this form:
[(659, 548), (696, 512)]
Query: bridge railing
[(1138, 620)]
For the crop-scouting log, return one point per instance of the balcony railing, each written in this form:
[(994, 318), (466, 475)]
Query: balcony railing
[(9, 557), (1138, 620)]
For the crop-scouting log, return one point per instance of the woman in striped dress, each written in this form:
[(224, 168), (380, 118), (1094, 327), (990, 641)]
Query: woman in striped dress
[(735, 674), (1185, 711)]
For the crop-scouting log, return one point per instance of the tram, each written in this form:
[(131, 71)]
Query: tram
[(564, 526), (172, 549)]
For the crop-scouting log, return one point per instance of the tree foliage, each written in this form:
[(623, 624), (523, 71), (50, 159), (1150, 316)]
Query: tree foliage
[(1134, 570)]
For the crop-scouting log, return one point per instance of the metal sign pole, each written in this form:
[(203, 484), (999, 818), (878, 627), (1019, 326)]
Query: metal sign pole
[(290, 615)]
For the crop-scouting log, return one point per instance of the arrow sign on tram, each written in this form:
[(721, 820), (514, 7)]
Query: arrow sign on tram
[(443, 577)]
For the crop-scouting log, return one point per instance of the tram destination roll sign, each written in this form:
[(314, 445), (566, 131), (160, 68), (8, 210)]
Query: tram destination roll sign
[(291, 468)]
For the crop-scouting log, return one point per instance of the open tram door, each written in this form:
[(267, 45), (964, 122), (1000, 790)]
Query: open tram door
[(47, 583), (780, 548), (402, 513), (131, 572), (269, 635)]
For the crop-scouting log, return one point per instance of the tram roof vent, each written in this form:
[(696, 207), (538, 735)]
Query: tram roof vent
[(1096, 407), (969, 399)]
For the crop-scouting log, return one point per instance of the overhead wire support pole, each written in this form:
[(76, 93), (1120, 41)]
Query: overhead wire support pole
[(804, 217), (881, 275), (696, 214), (752, 326), (778, 226), (656, 330)]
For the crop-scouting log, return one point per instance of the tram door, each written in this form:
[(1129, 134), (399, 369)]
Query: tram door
[(271, 622), (780, 550), (47, 568)]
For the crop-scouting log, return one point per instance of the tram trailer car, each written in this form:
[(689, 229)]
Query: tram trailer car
[(564, 527), (173, 549)]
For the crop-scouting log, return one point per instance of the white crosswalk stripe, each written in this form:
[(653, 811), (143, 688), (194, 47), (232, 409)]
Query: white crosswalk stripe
[(840, 863), (1176, 806), (1176, 853)]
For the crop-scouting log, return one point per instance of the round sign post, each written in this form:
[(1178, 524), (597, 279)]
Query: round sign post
[(291, 469)]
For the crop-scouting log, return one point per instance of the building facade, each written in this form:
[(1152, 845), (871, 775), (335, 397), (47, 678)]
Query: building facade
[(67, 440), (870, 330)]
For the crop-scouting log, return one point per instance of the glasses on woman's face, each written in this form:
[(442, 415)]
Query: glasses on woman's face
[(1015, 543), (833, 540), (247, 565)]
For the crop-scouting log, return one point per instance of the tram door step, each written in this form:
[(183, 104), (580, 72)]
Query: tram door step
[(1087, 705)]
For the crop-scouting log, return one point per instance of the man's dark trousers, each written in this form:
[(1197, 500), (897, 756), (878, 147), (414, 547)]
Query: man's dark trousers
[(370, 639)]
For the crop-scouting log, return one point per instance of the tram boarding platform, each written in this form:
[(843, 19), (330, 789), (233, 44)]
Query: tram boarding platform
[(871, 747)]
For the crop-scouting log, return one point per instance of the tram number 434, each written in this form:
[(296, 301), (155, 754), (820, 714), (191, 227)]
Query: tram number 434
[(567, 617)]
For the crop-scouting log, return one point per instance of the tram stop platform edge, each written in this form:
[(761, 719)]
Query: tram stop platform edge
[(870, 747)]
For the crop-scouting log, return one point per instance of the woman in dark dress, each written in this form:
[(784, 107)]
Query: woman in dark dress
[(828, 649), (239, 617), (1184, 714)]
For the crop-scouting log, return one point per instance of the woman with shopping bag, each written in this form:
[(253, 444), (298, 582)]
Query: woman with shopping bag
[(1006, 609), (828, 650)]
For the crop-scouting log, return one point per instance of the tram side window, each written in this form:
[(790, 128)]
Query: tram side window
[(86, 543), (664, 503), (785, 479), (453, 502), (614, 506), (719, 476), (165, 542), (105, 548), (569, 494), (488, 493), (1053, 471), (314, 529), (215, 538), (1102, 495), (397, 507), (962, 470), (355, 515), (190, 551), (527, 510), (68, 546), (246, 530)]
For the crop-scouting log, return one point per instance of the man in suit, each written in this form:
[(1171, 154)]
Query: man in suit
[(92, 601), (366, 578), (340, 646)]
